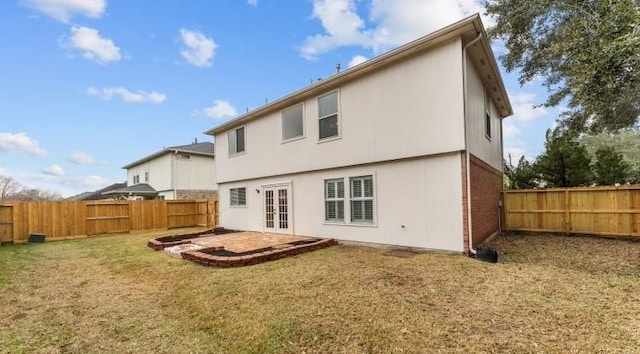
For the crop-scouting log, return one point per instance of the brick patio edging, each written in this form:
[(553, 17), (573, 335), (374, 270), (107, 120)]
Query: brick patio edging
[(158, 245), (202, 257)]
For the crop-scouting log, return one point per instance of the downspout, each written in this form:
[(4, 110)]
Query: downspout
[(466, 143), (173, 174)]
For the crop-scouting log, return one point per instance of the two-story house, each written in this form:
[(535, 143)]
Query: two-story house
[(176, 172), (404, 149)]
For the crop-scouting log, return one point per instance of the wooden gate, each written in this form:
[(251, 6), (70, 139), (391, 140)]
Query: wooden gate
[(6, 223)]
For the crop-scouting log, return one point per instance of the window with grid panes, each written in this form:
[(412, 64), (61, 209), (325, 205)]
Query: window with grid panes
[(334, 200), (362, 199), (238, 196)]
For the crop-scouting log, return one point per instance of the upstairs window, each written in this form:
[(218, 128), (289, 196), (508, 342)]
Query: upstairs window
[(146, 176), (136, 179), (236, 141), (238, 196), (362, 199), (334, 200), (328, 115), (292, 123), (487, 115)]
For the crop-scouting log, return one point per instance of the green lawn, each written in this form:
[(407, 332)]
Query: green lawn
[(113, 294)]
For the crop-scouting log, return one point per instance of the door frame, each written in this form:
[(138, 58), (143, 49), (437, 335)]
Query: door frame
[(288, 185)]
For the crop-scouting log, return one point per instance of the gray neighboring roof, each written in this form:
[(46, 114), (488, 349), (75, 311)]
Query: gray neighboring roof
[(204, 149), (136, 189), (468, 28), (98, 194)]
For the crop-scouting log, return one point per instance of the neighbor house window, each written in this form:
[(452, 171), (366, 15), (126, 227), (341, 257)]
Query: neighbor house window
[(328, 115), (362, 199), (136, 179), (334, 200), (487, 115), (238, 196), (236, 141), (146, 176), (292, 122)]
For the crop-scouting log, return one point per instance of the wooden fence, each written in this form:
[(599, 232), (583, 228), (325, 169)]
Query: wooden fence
[(609, 211), (63, 220)]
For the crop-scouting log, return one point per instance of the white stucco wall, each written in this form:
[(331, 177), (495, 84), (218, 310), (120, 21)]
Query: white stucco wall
[(159, 170), (423, 194), (195, 173), (411, 108), (488, 150)]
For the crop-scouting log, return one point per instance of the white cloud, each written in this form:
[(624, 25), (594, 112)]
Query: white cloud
[(252, 2), (20, 143), (198, 49), (64, 10), (128, 96), (81, 158), (220, 109), (53, 170), (515, 153), (524, 109), (392, 22), (92, 46), (358, 59)]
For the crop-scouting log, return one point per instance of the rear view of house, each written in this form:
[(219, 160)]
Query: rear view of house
[(404, 149)]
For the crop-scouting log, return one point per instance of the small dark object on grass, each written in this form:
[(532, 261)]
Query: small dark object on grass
[(487, 255), (36, 238)]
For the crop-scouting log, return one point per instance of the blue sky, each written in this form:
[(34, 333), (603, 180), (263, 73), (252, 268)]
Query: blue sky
[(91, 85)]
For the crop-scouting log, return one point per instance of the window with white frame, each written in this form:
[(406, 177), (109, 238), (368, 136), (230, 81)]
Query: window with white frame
[(236, 141), (238, 196), (361, 199), (487, 115), (146, 176), (136, 179), (328, 115), (334, 200), (292, 122)]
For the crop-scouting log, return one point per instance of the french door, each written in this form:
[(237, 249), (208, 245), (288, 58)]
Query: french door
[(277, 209)]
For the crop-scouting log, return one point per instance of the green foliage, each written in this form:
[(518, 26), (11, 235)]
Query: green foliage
[(626, 142), (610, 167), (586, 52), (565, 162), (522, 176)]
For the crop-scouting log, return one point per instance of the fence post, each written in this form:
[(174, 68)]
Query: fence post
[(567, 212)]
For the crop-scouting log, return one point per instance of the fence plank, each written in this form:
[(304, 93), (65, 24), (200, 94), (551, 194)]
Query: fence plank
[(611, 211)]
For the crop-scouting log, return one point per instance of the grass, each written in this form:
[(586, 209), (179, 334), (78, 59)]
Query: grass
[(112, 294)]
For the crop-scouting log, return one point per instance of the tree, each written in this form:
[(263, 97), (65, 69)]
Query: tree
[(521, 176), (585, 51), (565, 162), (610, 167), (34, 194), (626, 142), (8, 187)]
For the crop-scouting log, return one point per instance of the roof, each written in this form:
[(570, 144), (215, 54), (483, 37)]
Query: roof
[(98, 194), (204, 149), (136, 189), (469, 28)]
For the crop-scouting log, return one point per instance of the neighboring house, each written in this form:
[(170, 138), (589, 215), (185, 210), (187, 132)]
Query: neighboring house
[(404, 149), (100, 194), (177, 172)]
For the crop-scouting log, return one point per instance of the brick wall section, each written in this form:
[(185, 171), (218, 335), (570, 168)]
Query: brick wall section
[(486, 184), (465, 203), (196, 194)]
